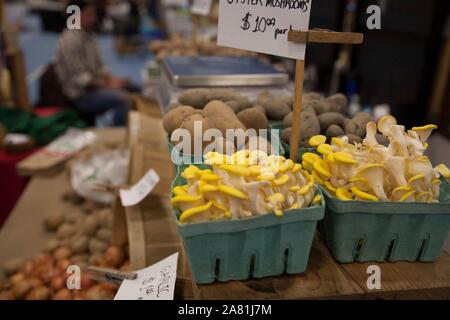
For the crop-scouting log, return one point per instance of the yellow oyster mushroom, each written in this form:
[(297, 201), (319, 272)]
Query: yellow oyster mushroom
[(317, 140), (399, 192), (385, 123), (208, 188), (408, 197), (180, 190), (236, 170), (324, 149), (305, 189), (363, 195), (286, 166), (443, 170), (344, 157), (281, 180), (417, 182), (329, 186), (294, 189), (210, 177), (375, 176), (255, 170), (185, 215), (218, 205), (422, 196), (296, 167), (322, 167), (343, 194), (310, 157), (337, 142), (294, 206), (317, 199), (185, 198), (317, 177), (266, 176), (424, 132), (276, 200), (190, 172), (232, 192)]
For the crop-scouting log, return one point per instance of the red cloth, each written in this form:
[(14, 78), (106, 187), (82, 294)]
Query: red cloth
[(11, 183), (46, 111)]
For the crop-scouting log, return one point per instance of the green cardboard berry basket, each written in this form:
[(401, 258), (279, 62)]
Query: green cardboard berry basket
[(256, 247), (358, 231)]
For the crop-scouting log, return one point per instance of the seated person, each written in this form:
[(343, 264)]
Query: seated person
[(82, 74)]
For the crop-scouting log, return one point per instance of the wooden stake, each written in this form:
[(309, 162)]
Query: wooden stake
[(296, 118)]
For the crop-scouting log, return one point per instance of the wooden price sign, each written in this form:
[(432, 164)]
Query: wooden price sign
[(277, 27)]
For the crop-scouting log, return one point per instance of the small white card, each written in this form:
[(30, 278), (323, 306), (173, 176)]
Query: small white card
[(156, 282), (140, 190), (201, 7), (263, 25)]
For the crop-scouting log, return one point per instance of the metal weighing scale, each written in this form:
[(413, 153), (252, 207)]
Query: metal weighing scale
[(247, 75)]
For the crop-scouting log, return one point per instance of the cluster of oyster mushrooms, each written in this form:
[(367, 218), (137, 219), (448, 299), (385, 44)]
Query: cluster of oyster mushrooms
[(369, 171), (245, 184)]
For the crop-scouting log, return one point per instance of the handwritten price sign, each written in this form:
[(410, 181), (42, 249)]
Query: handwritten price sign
[(263, 25), (156, 282)]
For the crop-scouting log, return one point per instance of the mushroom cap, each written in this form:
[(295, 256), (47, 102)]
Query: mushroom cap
[(344, 157), (343, 194), (236, 170), (232, 192), (322, 167), (364, 195), (443, 170), (185, 215), (314, 141), (185, 198), (324, 149)]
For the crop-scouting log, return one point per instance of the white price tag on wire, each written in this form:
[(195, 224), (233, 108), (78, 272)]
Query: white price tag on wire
[(156, 282), (201, 7), (137, 193)]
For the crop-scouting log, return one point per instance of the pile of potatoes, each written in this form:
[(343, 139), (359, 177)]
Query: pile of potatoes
[(216, 115), (177, 46), (327, 116), (228, 109), (78, 238)]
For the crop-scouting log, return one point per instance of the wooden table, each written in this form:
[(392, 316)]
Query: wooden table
[(23, 235)]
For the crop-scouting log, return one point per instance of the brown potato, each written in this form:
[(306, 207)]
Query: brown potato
[(356, 126), (12, 266), (175, 117), (334, 131), (53, 221), (329, 118), (252, 118), (196, 98), (338, 103), (66, 231), (352, 138), (79, 244), (90, 225), (222, 116)]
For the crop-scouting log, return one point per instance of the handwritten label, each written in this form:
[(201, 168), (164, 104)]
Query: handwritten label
[(156, 282), (201, 7), (263, 25), (140, 190)]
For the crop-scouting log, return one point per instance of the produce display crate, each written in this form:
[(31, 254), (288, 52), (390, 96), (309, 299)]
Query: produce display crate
[(386, 231), (251, 248)]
